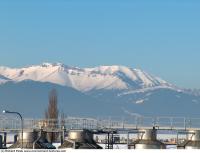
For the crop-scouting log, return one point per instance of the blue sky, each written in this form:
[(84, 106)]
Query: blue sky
[(160, 37)]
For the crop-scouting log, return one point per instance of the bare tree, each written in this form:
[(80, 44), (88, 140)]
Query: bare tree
[(52, 113)]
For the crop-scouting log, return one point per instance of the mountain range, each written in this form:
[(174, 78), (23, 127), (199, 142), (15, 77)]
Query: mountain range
[(115, 91)]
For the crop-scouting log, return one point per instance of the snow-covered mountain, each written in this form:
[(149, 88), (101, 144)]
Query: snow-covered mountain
[(85, 79), (100, 91)]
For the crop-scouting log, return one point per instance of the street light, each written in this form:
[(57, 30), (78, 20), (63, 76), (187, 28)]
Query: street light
[(22, 125)]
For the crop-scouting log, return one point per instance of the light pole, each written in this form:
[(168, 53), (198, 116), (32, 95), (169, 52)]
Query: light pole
[(22, 124)]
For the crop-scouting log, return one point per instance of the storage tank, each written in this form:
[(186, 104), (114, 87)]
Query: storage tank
[(80, 139), (33, 140), (192, 140), (147, 139)]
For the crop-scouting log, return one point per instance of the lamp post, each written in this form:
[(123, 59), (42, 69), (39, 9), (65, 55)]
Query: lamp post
[(22, 124)]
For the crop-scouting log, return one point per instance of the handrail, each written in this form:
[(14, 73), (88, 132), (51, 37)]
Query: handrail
[(92, 123)]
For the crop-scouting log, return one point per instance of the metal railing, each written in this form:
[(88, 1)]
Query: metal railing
[(102, 123)]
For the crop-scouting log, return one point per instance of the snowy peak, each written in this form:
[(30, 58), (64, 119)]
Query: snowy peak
[(51, 65), (130, 76), (85, 79)]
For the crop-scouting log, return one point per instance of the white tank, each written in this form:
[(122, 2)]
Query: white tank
[(80, 135), (32, 139), (192, 140), (29, 136), (147, 139), (80, 139)]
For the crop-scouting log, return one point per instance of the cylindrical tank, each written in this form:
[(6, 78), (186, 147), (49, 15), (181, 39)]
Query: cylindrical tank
[(193, 135), (80, 139), (32, 139), (80, 135), (192, 140), (29, 136), (150, 134), (147, 139)]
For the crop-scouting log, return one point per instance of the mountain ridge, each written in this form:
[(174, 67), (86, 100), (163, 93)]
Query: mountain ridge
[(86, 79), (99, 91)]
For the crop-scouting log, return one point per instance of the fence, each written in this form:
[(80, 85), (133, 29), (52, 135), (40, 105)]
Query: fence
[(101, 123)]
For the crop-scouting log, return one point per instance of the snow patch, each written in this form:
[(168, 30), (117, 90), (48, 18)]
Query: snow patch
[(140, 101), (145, 90)]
